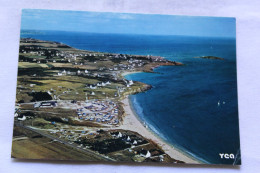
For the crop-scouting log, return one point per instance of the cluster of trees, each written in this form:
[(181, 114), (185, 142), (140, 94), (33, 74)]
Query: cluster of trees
[(49, 53), (29, 48), (27, 114), (40, 96), (105, 146)]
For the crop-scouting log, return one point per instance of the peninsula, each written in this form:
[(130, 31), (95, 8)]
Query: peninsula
[(73, 104)]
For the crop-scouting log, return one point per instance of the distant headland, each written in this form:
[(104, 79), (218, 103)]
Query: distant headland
[(210, 57)]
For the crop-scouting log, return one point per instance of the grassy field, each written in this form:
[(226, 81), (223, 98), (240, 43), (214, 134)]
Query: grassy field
[(39, 147), (31, 65), (69, 87)]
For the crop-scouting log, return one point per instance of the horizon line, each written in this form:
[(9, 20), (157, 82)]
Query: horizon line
[(227, 37)]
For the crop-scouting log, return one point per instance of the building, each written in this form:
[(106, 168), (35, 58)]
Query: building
[(145, 153), (22, 119), (46, 104)]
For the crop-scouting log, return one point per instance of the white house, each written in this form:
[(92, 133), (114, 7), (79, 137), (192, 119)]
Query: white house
[(135, 142), (92, 87), (148, 154), (22, 119), (131, 82), (161, 158), (119, 135), (107, 83), (49, 92)]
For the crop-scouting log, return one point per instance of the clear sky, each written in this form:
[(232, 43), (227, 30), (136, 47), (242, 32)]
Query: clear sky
[(127, 23)]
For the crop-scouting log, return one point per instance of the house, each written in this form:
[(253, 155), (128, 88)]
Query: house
[(48, 104), (64, 72), (119, 135), (86, 71), (135, 142), (103, 84), (108, 83), (131, 82), (22, 119), (145, 153), (128, 138), (93, 87), (161, 158)]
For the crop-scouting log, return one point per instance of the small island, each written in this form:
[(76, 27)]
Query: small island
[(210, 57)]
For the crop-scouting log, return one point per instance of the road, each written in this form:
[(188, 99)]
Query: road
[(87, 151)]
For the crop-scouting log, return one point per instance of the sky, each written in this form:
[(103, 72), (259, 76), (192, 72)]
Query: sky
[(127, 23)]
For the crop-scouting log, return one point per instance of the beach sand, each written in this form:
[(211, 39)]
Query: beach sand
[(131, 122), (130, 72)]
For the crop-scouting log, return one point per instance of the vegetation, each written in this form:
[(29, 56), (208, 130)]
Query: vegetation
[(40, 96), (54, 71)]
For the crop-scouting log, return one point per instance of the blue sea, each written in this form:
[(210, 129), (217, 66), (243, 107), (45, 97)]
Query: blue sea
[(193, 107)]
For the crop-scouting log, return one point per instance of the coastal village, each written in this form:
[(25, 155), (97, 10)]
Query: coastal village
[(69, 105)]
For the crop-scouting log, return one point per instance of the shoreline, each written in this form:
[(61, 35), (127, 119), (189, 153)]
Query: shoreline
[(133, 123), (130, 72)]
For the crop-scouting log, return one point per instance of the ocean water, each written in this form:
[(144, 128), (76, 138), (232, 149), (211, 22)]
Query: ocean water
[(193, 107)]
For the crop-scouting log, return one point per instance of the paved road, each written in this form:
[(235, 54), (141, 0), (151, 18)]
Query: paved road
[(87, 151)]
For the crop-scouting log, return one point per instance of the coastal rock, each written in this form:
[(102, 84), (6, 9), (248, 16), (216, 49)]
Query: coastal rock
[(210, 57), (150, 67)]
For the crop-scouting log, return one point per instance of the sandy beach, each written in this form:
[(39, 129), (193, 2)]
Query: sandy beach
[(131, 122), (130, 72)]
